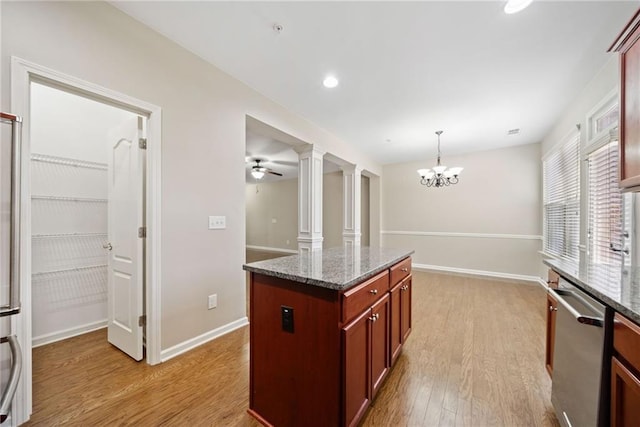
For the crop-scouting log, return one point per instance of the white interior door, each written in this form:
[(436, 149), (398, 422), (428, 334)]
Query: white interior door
[(126, 256)]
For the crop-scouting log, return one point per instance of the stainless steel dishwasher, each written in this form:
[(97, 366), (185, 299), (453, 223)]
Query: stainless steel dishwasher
[(578, 355)]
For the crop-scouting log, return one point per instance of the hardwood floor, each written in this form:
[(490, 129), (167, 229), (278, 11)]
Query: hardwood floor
[(475, 358)]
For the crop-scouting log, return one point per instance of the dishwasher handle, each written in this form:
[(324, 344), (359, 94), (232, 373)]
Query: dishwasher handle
[(586, 320)]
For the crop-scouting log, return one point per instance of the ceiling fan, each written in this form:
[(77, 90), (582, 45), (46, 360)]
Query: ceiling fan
[(258, 171)]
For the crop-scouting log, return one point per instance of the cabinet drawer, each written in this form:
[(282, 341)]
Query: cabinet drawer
[(400, 270), (626, 340), (361, 297)]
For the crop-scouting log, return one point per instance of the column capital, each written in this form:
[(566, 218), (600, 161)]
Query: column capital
[(351, 169), (307, 150)]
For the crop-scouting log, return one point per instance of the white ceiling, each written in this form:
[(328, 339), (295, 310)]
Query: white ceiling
[(406, 69)]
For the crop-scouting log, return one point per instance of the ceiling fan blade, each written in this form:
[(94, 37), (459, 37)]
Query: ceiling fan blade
[(274, 173)]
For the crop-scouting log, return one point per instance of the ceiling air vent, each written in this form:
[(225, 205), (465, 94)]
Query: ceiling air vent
[(515, 131)]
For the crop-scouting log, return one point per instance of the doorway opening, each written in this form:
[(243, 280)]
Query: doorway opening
[(25, 76), (72, 231)]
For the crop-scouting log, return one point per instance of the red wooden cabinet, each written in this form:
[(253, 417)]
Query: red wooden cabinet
[(400, 321), (625, 396), (552, 309), (380, 362), (395, 334), (328, 366), (629, 48), (405, 308), (356, 339), (625, 373)]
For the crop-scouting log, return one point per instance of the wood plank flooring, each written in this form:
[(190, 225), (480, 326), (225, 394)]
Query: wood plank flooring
[(475, 358)]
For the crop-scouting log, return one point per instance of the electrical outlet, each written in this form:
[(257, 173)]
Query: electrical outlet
[(213, 301), (217, 222)]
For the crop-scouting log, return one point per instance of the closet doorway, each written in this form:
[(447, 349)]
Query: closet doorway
[(87, 169)]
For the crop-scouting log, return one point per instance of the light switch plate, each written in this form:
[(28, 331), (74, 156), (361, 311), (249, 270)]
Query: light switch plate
[(217, 222), (212, 301)]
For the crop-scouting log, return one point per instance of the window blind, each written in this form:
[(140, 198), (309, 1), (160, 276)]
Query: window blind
[(608, 211), (561, 175)]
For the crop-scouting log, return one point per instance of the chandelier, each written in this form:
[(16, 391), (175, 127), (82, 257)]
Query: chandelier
[(439, 176)]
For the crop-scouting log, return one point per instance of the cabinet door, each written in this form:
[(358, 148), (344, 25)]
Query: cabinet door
[(552, 308), (356, 341), (395, 315), (625, 396), (380, 362), (630, 111), (405, 308)]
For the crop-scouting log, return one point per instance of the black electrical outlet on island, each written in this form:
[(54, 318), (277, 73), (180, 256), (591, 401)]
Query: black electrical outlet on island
[(287, 318)]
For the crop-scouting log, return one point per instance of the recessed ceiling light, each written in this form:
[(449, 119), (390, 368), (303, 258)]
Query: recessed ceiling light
[(330, 82), (515, 6)]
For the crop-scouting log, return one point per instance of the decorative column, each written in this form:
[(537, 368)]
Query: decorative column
[(309, 199), (351, 182)]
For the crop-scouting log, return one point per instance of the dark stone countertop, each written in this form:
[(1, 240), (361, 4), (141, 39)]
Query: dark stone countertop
[(619, 291), (336, 268)]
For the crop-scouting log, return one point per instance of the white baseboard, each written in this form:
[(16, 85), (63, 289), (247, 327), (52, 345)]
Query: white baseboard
[(498, 274), (192, 343), (270, 249), (67, 333)]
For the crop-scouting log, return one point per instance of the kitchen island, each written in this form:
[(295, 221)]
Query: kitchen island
[(326, 327)]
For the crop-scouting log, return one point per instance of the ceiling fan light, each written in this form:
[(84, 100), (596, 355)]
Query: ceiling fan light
[(515, 6), (257, 174)]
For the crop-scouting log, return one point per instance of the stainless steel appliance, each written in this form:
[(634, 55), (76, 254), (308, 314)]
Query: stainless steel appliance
[(578, 355), (10, 295)]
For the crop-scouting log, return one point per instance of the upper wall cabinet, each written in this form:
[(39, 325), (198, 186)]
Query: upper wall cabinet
[(629, 48)]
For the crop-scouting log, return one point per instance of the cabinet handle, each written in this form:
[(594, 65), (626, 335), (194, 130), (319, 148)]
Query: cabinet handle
[(374, 317), (373, 292), (552, 308), (406, 270)]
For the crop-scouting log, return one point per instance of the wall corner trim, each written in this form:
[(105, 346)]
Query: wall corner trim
[(192, 343), (497, 274), (470, 235)]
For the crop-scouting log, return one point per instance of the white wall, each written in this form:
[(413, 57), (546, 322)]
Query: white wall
[(203, 142), (67, 235), (279, 201), (576, 112), (364, 211), (499, 193), (332, 209), (272, 214)]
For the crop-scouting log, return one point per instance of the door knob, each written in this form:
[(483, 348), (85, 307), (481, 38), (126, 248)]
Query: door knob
[(107, 246)]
